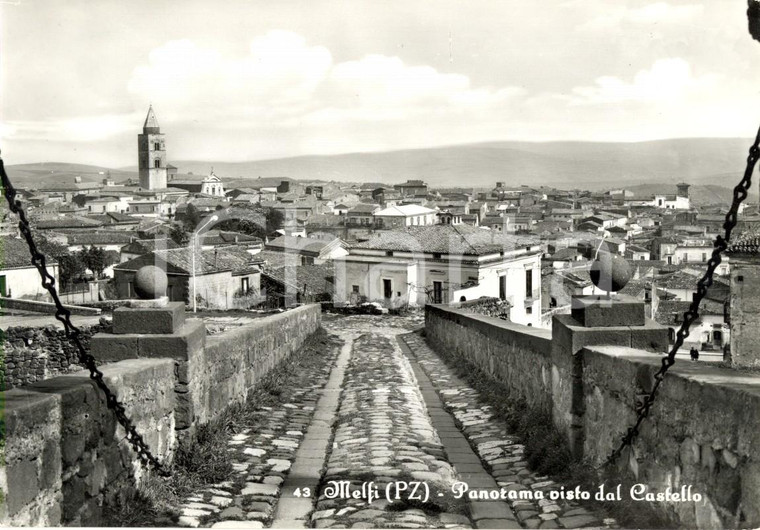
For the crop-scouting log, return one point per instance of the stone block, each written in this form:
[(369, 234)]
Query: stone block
[(155, 320), (110, 347), (183, 412), (570, 337), (23, 486), (189, 339), (600, 311), (650, 337), (490, 510)]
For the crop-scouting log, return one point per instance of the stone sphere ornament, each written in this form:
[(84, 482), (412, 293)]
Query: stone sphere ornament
[(150, 282), (610, 272)]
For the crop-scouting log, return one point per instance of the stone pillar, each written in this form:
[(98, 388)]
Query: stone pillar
[(155, 327), (745, 310), (594, 320)]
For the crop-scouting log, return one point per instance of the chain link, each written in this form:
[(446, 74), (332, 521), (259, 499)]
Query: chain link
[(63, 315), (741, 191)]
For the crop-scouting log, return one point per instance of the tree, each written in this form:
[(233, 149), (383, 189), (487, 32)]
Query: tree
[(70, 269), (275, 220), (192, 217), (179, 235), (94, 259)]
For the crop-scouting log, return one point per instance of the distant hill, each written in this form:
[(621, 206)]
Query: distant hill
[(591, 165), (588, 165), (701, 195), (44, 173)]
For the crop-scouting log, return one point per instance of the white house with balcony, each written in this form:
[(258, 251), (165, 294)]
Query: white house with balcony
[(443, 264)]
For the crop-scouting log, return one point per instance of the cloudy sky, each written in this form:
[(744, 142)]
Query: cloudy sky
[(245, 79)]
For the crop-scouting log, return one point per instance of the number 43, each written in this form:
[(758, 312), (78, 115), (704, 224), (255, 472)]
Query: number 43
[(302, 492)]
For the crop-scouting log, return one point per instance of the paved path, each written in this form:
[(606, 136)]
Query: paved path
[(385, 436)]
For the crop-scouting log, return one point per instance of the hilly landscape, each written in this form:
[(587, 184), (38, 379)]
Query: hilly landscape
[(589, 165), (716, 162)]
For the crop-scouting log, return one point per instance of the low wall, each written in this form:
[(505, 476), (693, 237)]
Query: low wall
[(701, 432), (518, 356), (233, 362), (44, 307), (29, 354), (66, 456)]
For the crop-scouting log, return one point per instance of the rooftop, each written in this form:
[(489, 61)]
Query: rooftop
[(180, 260), (404, 210), (446, 239), (14, 253), (746, 243)]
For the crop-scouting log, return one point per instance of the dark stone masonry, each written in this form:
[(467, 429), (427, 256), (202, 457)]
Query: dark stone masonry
[(34, 354)]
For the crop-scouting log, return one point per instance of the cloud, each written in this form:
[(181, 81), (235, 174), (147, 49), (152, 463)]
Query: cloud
[(667, 80), (84, 129), (182, 77), (613, 17)]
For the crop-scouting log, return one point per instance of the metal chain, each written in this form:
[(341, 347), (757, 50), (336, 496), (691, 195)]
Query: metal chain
[(73, 333), (720, 245)]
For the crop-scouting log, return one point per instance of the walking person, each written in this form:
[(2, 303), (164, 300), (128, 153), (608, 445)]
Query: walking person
[(694, 353)]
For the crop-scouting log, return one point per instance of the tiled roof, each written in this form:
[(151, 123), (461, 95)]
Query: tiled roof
[(100, 238), (69, 222), (298, 244), (746, 243), (220, 237), (363, 208), (446, 239), (308, 279), (14, 253), (143, 246), (564, 254), (206, 261)]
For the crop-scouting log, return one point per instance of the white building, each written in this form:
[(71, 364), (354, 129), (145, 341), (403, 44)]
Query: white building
[(679, 201), (405, 215), (443, 264), (18, 277)]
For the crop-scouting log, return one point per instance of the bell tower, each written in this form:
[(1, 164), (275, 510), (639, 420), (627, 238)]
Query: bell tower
[(151, 149)]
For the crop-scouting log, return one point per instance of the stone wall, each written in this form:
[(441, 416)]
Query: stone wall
[(29, 354), (233, 362), (65, 455), (518, 356), (44, 307), (703, 430)]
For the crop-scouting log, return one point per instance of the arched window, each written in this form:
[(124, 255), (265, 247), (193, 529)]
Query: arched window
[(157, 163), (157, 146)]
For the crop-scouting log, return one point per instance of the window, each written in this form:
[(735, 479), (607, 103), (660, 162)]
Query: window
[(355, 289), (503, 287), (529, 310), (389, 253), (528, 283), (244, 285), (157, 163), (704, 256), (436, 255), (157, 146), (686, 257)]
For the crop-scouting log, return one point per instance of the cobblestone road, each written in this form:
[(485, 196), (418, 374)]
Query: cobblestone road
[(385, 417)]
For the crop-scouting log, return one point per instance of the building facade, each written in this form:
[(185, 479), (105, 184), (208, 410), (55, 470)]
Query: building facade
[(443, 264), (151, 149)]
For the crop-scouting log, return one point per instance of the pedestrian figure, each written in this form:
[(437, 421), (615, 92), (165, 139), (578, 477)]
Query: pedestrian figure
[(694, 353)]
